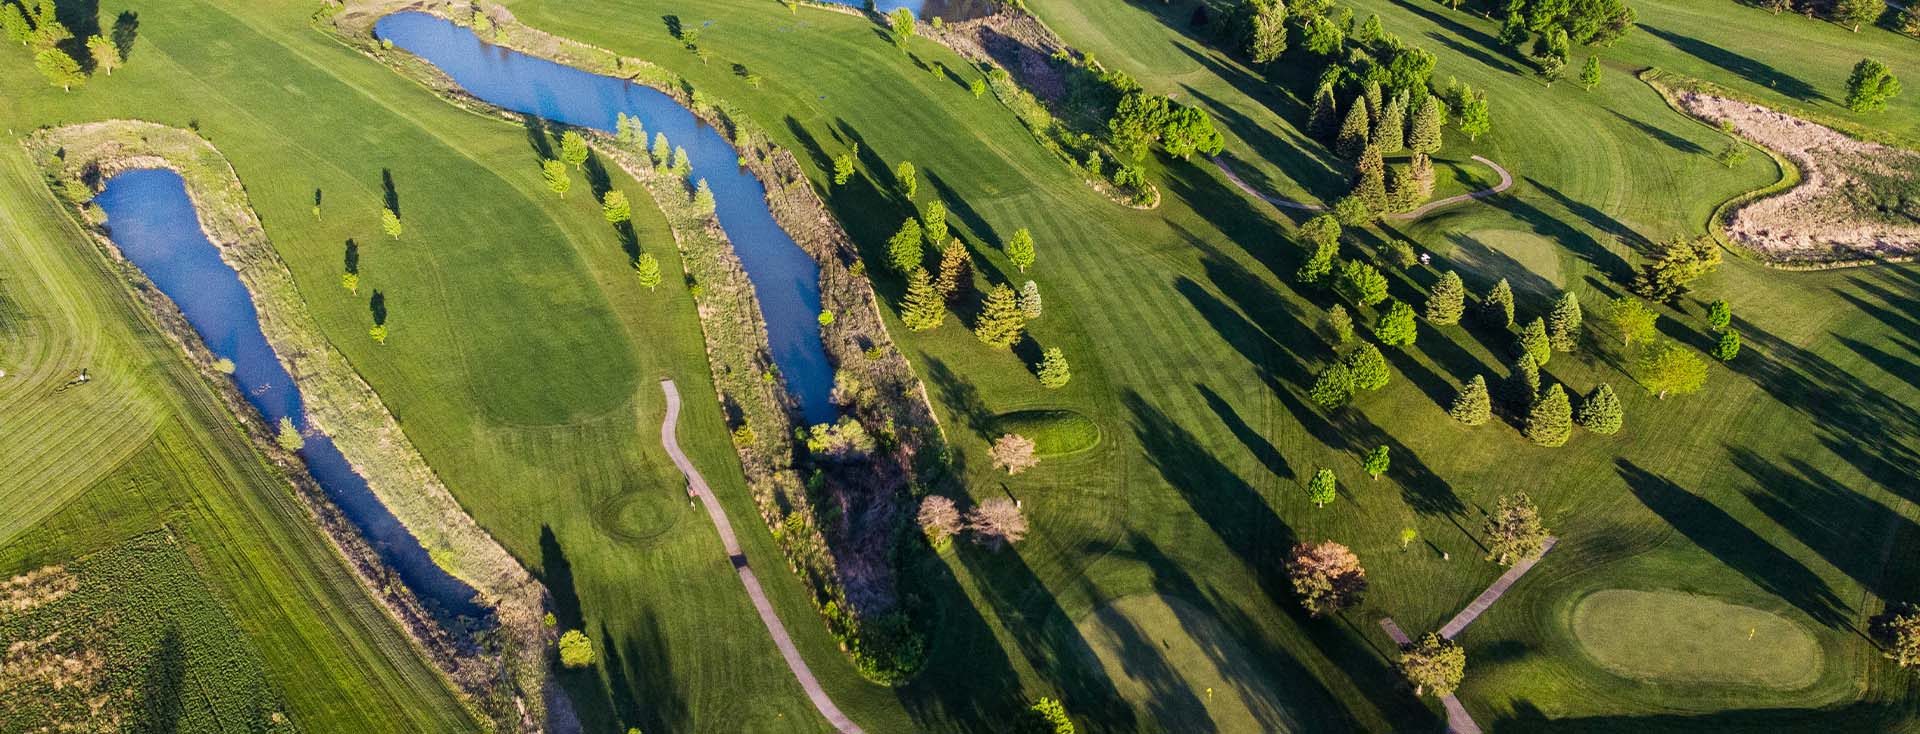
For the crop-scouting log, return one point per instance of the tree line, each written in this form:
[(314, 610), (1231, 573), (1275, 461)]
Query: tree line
[(62, 58)]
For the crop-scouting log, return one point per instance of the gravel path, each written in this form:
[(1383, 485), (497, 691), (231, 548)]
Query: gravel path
[(1506, 182), (778, 631)]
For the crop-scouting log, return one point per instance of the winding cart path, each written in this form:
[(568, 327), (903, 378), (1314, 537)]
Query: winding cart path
[(698, 485), (1506, 182)]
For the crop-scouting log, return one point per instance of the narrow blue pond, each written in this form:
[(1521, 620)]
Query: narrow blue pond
[(784, 277), (151, 220), (950, 10)]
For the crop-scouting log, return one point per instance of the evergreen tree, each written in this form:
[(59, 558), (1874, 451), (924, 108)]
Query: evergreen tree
[(1324, 122), (1390, 133), (1551, 422), (662, 150), (1681, 262), (703, 197), (956, 271), (1370, 179), (1514, 531), (1030, 305), (1425, 135), (1513, 31), (1534, 343), (647, 269), (1368, 368), (682, 165), (1729, 346), (1447, 301), (14, 24), (1719, 314), (1054, 371), (1375, 96), (1369, 31), (1352, 140), (573, 149), (1020, 249), (1333, 387), (615, 207), (555, 173), (1323, 489), (909, 180), (1590, 74), (933, 223), (842, 169), (628, 130), (1377, 462), (922, 308), (1397, 326), (1473, 406), (1600, 412), (903, 250), (1000, 323), (59, 69), (1361, 283), (1339, 324), (1498, 305), (1563, 325)]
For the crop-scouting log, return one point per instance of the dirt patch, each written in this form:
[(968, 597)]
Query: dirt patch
[(1854, 198)]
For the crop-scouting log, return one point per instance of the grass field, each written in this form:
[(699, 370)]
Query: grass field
[(1676, 637), (1191, 352)]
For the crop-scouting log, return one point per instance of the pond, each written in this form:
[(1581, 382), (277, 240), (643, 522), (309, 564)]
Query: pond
[(948, 10), (151, 220), (785, 278)]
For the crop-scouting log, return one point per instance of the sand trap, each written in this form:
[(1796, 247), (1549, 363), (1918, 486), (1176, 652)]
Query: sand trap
[(1819, 218), (1163, 655), (1676, 637)]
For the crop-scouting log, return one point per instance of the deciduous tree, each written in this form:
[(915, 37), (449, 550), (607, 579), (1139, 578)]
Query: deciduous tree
[(1514, 531), (106, 57), (615, 207), (390, 223), (1433, 663), (1339, 325), (59, 69), (1327, 576), (908, 179), (933, 223), (1632, 318), (573, 149), (1361, 283), (1902, 633), (1377, 462), (555, 173), (1050, 717), (1323, 488), (1856, 13), (1189, 130), (647, 269), (1668, 368), (1872, 83), (1397, 326), (939, 520), (1333, 387), (901, 23), (1368, 368), (1719, 314), (1680, 263), (289, 436), (576, 649), (1590, 73), (997, 522), (1020, 249), (1475, 119)]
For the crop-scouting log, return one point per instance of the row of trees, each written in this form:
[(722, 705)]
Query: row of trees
[(995, 523), (1554, 26), (64, 63)]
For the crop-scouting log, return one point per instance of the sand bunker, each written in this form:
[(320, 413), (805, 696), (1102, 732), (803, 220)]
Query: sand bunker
[(1841, 209)]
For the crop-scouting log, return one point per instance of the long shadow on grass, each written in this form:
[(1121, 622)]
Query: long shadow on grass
[(1489, 48), (970, 684), (1737, 546), (1825, 514), (1746, 67), (1248, 525), (162, 683), (1863, 716)]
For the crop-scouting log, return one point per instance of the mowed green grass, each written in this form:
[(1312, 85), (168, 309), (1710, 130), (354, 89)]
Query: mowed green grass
[(1192, 350), (1054, 432), (1188, 671), (1677, 637), (145, 445)]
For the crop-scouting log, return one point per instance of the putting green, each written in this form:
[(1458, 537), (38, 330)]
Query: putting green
[(1674, 636), (1054, 432), (1531, 262), (1181, 669)]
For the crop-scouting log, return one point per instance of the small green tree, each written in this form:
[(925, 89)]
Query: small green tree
[(59, 69), (1377, 462), (1368, 367), (615, 207), (576, 649), (390, 223), (106, 57), (1054, 371), (1333, 387), (556, 174), (1447, 301), (1600, 412), (1498, 305), (1551, 422), (1398, 326), (1323, 489), (1514, 531), (1729, 346), (1361, 283), (573, 149), (1669, 368), (842, 169), (351, 282), (1338, 324), (1475, 119), (703, 197), (903, 250), (1590, 73), (378, 332), (682, 165), (647, 269), (908, 180), (1050, 717), (1872, 83), (1856, 13), (1407, 536), (1719, 314), (288, 436), (922, 308), (1434, 663), (1632, 318), (1533, 341), (628, 130), (1472, 406), (1563, 325), (901, 23), (1020, 249), (662, 150), (933, 224), (1000, 323)]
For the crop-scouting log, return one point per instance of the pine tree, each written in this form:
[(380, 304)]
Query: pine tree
[(923, 308), (14, 23), (1719, 315), (1054, 371), (1375, 97), (1534, 343), (1370, 179), (1524, 384), (1390, 132), (933, 224), (1472, 406), (903, 250), (1324, 122), (1729, 346), (1020, 249), (1352, 140), (1397, 326), (1497, 307), (1323, 489), (1600, 412), (1000, 323), (1447, 301), (1425, 134), (682, 165), (662, 150), (1551, 422), (628, 130), (1339, 324), (956, 271), (647, 269), (1030, 305), (1563, 325), (1368, 368)]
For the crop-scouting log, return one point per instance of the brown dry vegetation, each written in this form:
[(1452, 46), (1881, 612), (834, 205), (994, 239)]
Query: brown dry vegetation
[(1837, 210)]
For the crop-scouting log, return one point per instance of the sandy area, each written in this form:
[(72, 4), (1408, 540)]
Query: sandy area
[(1817, 219)]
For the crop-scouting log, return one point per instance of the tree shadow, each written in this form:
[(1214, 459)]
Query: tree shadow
[(1250, 437), (538, 138), (1746, 67), (158, 707), (1825, 515), (352, 259), (1490, 48), (1862, 716), (1734, 544), (126, 30), (640, 675), (598, 180), (377, 305), (556, 572), (391, 195)]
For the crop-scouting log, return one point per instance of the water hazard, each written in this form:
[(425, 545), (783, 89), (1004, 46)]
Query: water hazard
[(151, 220), (785, 278)]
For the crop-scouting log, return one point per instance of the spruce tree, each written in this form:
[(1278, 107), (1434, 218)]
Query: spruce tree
[(1352, 140), (1524, 386), (1397, 326), (922, 308), (1000, 323), (662, 150), (1472, 406), (1497, 307), (903, 250), (1551, 422), (1376, 98), (1729, 346), (1370, 179), (1534, 343), (1447, 301), (956, 271), (1368, 367), (1563, 325), (1054, 371), (1424, 137), (1324, 122), (1600, 412), (1390, 131)]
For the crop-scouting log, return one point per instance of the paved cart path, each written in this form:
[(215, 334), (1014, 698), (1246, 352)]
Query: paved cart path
[(1458, 720), (1506, 182), (778, 631)]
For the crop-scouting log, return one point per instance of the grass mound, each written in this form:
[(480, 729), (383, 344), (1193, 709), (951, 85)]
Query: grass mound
[(1673, 636), (1054, 432), (1181, 668)]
